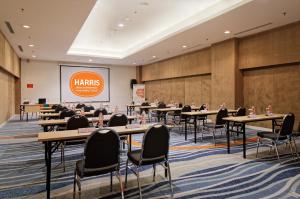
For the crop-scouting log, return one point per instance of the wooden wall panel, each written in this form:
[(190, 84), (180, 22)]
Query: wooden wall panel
[(187, 90), (195, 63), (278, 86), (223, 74), (2, 49), (273, 47), (8, 59)]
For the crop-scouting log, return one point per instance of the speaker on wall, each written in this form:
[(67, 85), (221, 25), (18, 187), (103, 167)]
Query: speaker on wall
[(132, 81)]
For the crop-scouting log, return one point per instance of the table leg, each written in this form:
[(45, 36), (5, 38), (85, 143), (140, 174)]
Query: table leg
[(127, 110), (130, 142), (273, 126), (195, 127), (165, 118), (228, 137), (166, 170), (185, 128), (48, 160), (244, 140), (45, 128)]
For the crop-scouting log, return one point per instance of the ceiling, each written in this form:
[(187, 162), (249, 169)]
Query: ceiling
[(134, 32)]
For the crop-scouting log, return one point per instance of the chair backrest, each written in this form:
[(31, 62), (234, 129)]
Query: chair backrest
[(88, 108), (161, 105), (220, 115), (60, 108), (180, 105), (287, 124), (80, 105), (202, 107), (102, 149), (54, 106), (118, 120), (145, 104), (155, 143), (66, 113), (241, 111), (100, 110), (77, 121), (186, 108)]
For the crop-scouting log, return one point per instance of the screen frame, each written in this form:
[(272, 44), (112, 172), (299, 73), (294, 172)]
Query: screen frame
[(73, 66)]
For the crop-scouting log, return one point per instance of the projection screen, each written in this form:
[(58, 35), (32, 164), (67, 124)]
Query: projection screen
[(84, 84)]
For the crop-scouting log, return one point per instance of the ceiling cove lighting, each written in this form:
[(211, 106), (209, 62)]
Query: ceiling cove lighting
[(121, 25), (226, 32), (26, 26)]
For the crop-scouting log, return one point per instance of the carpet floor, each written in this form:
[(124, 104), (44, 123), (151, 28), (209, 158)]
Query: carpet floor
[(200, 170)]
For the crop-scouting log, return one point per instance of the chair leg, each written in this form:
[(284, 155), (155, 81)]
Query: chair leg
[(170, 179), (296, 149), (214, 137), (276, 149), (291, 148), (126, 170), (138, 181), (154, 169), (257, 145), (74, 185), (121, 184), (111, 181)]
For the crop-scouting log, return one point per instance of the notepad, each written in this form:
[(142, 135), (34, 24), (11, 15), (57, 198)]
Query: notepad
[(86, 130)]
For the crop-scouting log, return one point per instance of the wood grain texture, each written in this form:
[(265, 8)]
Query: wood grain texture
[(187, 90), (223, 74), (278, 86), (195, 63), (2, 49), (273, 47)]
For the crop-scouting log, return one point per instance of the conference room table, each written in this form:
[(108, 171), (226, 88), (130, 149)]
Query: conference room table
[(50, 140), (171, 109), (247, 119), (55, 122), (196, 114), (56, 115)]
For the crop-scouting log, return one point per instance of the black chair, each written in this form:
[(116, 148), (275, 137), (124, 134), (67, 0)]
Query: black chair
[(66, 113), (283, 136), (80, 105), (159, 114), (237, 127), (176, 114), (74, 123), (60, 108), (88, 108), (186, 108), (202, 118), (145, 109), (101, 156), (219, 123), (54, 106), (158, 136), (100, 110), (119, 120)]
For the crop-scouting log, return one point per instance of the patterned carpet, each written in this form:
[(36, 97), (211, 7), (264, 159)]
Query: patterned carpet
[(198, 170)]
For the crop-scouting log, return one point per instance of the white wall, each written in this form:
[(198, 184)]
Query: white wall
[(44, 75)]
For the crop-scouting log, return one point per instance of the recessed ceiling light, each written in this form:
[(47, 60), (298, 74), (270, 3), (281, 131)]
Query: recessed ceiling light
[(26, 26), (90, 60), (153, 56), (121, 25), (134, 63), (127, 19), (34, 56), (227, 32), (31, 45), (184, 46)]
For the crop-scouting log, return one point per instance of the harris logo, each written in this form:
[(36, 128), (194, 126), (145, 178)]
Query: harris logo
[(86, 84)]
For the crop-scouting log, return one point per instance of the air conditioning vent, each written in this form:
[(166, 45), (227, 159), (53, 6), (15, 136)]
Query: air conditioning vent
[(8, 25), (254, 28), (20, 48)]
